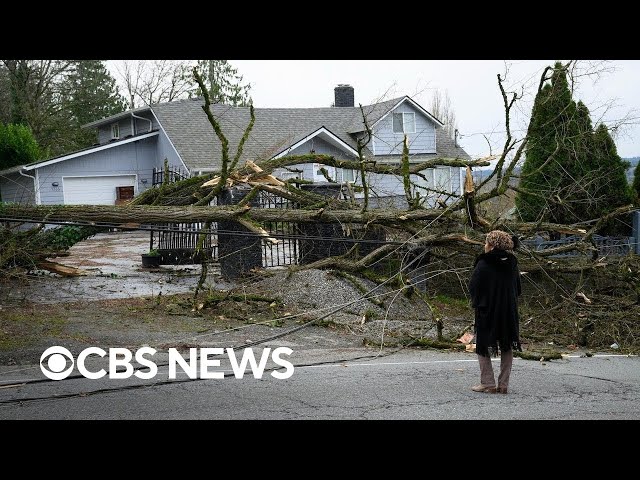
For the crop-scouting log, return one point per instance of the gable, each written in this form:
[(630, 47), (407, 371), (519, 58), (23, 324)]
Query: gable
[(321, 142), (415, 106), (420, 131)]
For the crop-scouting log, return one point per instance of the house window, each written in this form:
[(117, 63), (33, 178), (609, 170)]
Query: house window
[(115, 131), (404, 122), (348, 175)]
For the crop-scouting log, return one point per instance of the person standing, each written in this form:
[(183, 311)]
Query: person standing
[(494, 287)]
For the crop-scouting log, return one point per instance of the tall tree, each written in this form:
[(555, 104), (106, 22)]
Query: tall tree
[(147, 82), (636, 182), (610, 188), (442, 109), (223, 83), (570, 173), (548, 152), (90, 93), (5, 95), (35, 89)]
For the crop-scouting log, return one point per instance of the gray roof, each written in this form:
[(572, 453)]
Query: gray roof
[(115, 117), (274, 130)]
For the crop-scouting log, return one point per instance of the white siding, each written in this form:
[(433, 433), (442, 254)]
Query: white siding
[(388, 143)]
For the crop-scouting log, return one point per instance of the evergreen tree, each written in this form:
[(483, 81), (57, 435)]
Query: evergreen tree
[(224, 84), (552, 130), (90, 93), (609, 188), (5, 95), (585, 177), (636, 182)]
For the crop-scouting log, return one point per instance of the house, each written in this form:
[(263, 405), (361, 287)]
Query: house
[(133, 143)]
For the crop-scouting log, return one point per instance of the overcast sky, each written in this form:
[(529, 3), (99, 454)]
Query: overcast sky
[(471, 85)]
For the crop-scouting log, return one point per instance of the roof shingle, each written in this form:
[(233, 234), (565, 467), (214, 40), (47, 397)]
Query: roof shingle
[(274, 130)]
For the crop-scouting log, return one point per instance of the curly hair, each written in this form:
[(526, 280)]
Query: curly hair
[(502, 240)]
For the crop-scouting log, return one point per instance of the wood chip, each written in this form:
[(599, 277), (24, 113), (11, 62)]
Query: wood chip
[(254, 167), (60, 269), (211, 183)]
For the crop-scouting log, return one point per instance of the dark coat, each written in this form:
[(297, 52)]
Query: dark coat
[(494, 287)]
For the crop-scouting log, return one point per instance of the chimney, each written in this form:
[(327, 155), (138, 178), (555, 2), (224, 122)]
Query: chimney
[(344, 95)]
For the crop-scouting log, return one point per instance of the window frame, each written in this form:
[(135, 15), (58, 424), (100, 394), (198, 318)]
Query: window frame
[(352, 173), (115, 131), (404, 122)]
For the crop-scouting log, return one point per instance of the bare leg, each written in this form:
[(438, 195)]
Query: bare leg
[(506, 359)]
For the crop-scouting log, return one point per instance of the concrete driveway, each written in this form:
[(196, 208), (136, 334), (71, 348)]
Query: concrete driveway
[(113, 268)]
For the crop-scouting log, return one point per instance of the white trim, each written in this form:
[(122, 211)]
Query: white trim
[(135, 184), (422, 110), (117, 126), (332, 139), (87, 152), (37, 189), (435, 141), (197, 173), (36, 186), (170, 142), (115, 118)]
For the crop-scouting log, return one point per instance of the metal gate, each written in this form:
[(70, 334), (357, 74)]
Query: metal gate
[(285, 252)]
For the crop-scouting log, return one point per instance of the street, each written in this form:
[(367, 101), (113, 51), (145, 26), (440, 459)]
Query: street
[(410, 384)]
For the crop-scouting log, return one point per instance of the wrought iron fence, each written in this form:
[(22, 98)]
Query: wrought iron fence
[(285, 251), (175, 174), (609, 246)]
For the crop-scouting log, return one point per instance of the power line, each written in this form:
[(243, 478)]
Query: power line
[(210, 231)]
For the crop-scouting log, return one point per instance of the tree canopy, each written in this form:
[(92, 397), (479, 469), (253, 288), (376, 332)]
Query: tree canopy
[(636, 182), (223, 82), (17, 146), (571, 172), (54, 98), (90, 94)]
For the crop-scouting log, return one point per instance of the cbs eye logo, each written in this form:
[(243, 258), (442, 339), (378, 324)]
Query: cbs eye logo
[(57, 362)]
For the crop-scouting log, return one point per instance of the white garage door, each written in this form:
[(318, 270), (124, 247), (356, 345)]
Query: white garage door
[(94, 190)]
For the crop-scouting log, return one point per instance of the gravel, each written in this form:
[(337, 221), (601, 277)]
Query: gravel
[(318, 292)]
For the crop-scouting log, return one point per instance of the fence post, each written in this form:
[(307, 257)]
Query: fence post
[(237, 254), (312, 250), (419, 259), (636, 231)]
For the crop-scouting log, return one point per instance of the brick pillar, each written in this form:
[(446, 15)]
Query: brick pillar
[(418, 258), (237, 253), (312, 250)]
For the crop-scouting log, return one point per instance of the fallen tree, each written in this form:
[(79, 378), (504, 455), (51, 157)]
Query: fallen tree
[(452, 230)]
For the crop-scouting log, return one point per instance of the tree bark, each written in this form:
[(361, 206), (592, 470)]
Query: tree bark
[(100, 214)]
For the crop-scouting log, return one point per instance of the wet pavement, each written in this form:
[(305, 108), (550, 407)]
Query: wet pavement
[(113, 269)]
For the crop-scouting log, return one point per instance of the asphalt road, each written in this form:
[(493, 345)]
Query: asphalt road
[(411, 384)]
